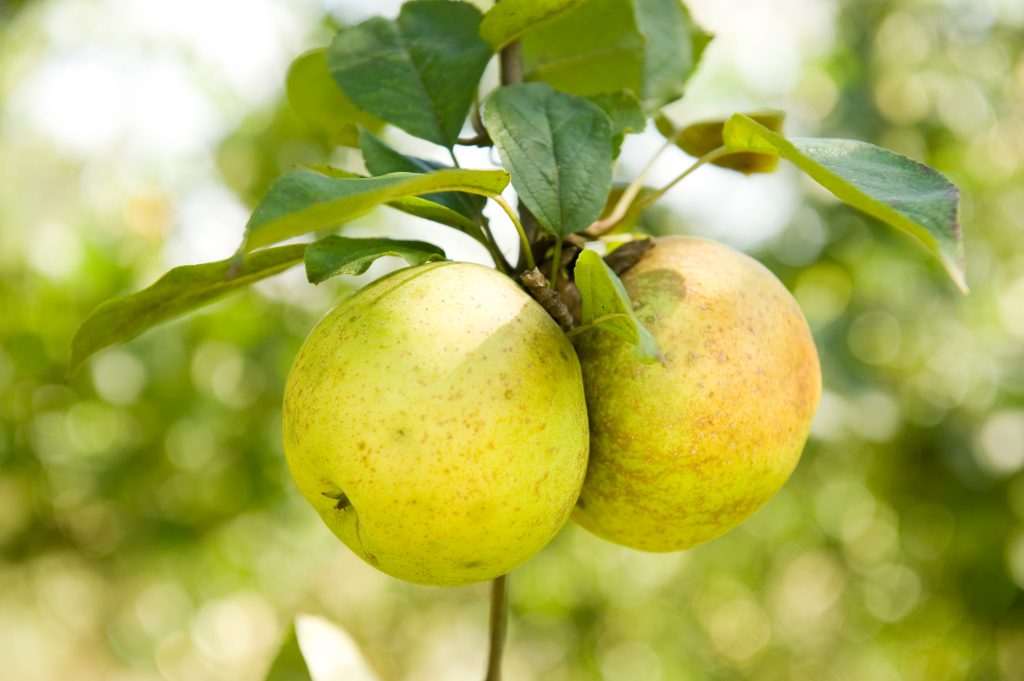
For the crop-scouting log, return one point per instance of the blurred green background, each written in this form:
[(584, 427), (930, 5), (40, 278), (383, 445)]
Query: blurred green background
[(148, 527)]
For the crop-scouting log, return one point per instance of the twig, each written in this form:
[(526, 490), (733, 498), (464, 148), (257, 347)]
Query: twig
[(511, 62), (481, 139), (536, 284)]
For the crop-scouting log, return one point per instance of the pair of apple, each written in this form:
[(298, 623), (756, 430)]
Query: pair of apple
[(442, 426)]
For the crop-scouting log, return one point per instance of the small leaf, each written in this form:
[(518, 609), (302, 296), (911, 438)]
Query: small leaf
[(624, 111), (606, 306), (419, 72), (336, 255), (650, 47), (700, 138), (435, 212), (381, 159), (181, 290), (897, 190), (302, 201), (419, 207), (559, 150), (509, 19), (318, 101)]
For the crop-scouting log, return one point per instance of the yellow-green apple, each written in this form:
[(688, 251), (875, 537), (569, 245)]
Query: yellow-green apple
[(436, 422), (684, 450)]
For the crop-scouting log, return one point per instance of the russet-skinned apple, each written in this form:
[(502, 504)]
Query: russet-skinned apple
[(683, 451)]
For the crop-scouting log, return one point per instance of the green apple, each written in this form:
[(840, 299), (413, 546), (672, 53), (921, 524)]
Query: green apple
[(436, 422), (683, 451)]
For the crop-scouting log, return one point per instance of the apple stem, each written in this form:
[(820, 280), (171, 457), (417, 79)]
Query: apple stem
[(498, 627)]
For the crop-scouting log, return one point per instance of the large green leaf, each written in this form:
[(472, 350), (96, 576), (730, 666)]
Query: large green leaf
[(593, 48), (606, 306), (509, 19), (674, 46), (559, 150), (419, 72), (317, 100), (382, 159), (181, 290), (700, 138), (650, 47), (334, 255), (302, 201), (897, 190)]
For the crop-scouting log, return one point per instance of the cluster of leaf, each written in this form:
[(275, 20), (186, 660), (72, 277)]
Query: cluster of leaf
[(577, 77)]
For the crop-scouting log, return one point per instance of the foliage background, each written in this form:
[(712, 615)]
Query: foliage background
[(149, 530)]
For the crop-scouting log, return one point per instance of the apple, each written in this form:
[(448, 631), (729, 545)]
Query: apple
[(436, 421), (685, 450)]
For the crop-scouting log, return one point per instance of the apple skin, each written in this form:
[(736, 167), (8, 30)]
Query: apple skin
[(447, 407), (684, 451)]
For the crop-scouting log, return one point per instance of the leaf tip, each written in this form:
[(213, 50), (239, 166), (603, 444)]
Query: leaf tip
[(958, 274)]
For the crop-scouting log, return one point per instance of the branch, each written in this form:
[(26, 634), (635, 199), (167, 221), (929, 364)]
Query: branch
[(536, 285), (511, 61), (481, 139)]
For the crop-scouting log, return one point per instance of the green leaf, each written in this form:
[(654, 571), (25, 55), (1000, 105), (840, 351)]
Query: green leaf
[(419, 207), (435, 212), (382, 159), (419, 72), (899, 191), (700, 138), (181, 290), (624, 111), (336, 255), (674, 47), (650, 47), (289, 665), (559, 150), (593, 48), (316, 99), (302, 201), (606, 306), (509, 19)]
